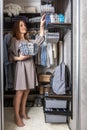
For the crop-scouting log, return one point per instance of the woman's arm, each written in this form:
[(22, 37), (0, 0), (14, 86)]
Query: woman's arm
[(19, 58), (40, 38), (42, 25)]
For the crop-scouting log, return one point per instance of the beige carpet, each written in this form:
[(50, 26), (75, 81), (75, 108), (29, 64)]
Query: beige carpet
[(37, 121)]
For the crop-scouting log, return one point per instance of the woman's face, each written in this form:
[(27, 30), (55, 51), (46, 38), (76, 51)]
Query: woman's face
[(22, 27)]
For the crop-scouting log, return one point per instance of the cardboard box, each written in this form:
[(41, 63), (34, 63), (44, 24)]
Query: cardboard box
[(44, 78)]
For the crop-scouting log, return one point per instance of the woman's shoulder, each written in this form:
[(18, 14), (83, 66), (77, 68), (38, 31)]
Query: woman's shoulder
[(13, 39)]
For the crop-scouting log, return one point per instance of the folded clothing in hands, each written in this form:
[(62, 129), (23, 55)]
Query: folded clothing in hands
[(28, 48)]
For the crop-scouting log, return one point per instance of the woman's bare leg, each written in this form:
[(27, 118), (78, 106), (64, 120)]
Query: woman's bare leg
[(16, 103), (23, 104)]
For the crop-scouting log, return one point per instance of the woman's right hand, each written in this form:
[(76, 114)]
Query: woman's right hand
[(21, 57)]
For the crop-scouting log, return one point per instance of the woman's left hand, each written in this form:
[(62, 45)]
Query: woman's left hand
[(42, 24), (42, 21)]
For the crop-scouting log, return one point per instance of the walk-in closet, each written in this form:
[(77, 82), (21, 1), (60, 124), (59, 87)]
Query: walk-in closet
[(49, 107)]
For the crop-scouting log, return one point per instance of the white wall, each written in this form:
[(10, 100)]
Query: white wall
[(83, 64)]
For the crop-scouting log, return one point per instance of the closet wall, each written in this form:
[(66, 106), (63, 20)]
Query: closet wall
[(83, 65), (79, 66)]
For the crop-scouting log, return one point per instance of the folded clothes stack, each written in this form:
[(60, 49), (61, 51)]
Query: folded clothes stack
[(12, 9), (28, 48)]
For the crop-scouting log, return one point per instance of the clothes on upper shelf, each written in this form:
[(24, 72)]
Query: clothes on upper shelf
[(12, 9), (47, 8)]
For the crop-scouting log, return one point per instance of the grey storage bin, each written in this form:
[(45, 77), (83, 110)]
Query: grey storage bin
[(49, 118), (55, 103)]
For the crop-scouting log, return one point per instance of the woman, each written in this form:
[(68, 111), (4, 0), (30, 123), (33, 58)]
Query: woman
[(25, 69)]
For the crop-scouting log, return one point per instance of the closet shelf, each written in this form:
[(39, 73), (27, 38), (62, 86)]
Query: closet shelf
[(59, 25), (43, 2), (12, 95), (62, 97), (29, 15), (51, 94), (60, 112), (9, 21)]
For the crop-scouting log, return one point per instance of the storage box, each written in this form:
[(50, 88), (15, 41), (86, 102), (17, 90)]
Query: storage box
[(55, 103), (30, 9), (49, 118), (44, 78)]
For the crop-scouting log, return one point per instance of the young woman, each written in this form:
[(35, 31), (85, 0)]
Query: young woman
[(25, 69)]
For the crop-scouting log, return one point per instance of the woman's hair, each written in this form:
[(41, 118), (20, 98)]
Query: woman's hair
[(16, 29)]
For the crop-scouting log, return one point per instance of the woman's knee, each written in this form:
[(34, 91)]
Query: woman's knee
[(19, 93)]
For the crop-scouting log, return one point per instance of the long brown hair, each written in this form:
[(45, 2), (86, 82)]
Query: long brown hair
[(16, 29)]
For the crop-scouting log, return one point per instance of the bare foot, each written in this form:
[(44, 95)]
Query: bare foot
[(19, 122), (25, 116)]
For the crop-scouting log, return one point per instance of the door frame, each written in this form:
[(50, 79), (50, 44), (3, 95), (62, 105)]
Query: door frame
[(1, 68)]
